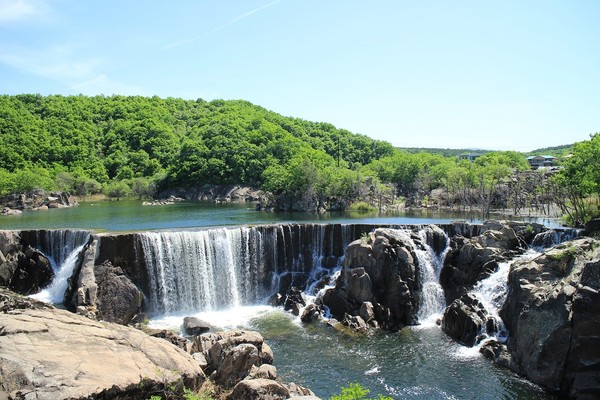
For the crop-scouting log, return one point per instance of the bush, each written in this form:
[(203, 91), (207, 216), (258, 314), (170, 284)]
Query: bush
[(355, 391)]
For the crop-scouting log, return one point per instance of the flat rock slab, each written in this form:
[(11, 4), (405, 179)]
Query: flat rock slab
[(54, 354)]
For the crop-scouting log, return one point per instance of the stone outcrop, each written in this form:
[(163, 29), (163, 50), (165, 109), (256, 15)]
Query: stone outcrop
[(243, 361), (103, 290), (218, 193), (381, 273), (466, 318), (23, 269), (553, 316), (193, 326), (54, 354), (38, 200), (471, 260)]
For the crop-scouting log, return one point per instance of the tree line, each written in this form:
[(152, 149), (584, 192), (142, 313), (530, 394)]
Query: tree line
[(139, 146)]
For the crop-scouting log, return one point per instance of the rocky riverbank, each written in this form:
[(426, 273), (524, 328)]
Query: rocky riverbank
[(36, 200), (101, 360)]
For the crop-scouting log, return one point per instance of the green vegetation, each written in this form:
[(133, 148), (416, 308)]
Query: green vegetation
[(577, 185), (139, 146), (355, 391)]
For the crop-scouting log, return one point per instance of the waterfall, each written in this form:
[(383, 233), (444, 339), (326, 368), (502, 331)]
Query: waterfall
[(432, 301), (62, 248), (216, 269), (492, 291), (191, 271), (552, 237)]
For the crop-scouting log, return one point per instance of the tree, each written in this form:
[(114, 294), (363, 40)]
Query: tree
[(117, 189), (577, 184)]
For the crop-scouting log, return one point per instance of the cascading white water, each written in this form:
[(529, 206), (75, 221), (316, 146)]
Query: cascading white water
[(552, 237), (194, 270), (221, 268), (432, 299), (492, 291), (62, 249)]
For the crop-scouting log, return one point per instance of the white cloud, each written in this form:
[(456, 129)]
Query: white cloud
[(19, 10)]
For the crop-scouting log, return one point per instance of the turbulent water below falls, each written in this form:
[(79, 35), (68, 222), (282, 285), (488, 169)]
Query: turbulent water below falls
[(415, 363), (192, 271)]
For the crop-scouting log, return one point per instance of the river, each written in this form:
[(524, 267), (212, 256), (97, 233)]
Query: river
[(130, 215), (418, 362)]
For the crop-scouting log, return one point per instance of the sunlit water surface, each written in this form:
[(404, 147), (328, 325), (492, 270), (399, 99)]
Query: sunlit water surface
[(130, 215), (416, 363)]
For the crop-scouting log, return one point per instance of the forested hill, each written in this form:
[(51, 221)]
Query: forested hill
[(181, 142)]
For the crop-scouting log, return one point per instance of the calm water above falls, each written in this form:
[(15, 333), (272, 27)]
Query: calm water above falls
[(130, 215)]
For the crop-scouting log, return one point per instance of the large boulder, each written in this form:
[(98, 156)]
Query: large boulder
[(383, 270), (22, 268), (553, 316), (54, 354), (194, 326), (102, 291), (232, 356), (259, 389), (471, 260), (118, 299), (466, 319)]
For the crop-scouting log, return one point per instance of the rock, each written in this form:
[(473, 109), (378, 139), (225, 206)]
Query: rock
[(195, 326), (9, 211), (169, 336), (497, 352), (470, 260), (265, 371), (266, 354), (231, 355), (294, 300), (26, 271), (553, 316), (592, 226), (82, 290), (297, 391), (355, 323), (259, 389), (381, 270), (310, 313), (89, 360), (367, 312), (118, 299), (465, 319)]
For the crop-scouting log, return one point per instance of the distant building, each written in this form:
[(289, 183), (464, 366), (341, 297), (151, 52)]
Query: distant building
[(541, 161), (469, 156)]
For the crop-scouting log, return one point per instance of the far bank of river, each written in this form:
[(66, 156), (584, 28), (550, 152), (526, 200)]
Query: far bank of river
[(130, 215)]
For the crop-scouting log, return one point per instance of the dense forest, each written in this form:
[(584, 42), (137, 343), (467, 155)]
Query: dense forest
[(140, 146)]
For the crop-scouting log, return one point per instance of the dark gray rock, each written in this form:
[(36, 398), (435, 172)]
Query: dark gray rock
[(195, 326), (552, 313), (465, 319), (118, 299)]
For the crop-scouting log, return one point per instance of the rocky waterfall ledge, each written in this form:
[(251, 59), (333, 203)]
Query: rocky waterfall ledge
[(384, 281)]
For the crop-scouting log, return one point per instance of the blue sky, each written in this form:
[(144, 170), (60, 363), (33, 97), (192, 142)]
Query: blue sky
[(514, 75)]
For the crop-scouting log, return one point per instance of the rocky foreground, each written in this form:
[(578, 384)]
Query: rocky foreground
[(47, 353)]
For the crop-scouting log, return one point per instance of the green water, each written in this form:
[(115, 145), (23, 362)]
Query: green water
[(415, 363), (130, 215)]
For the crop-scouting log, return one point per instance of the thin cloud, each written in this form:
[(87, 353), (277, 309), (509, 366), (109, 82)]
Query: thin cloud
[(56, 62), (218, 28), (18, 10)]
